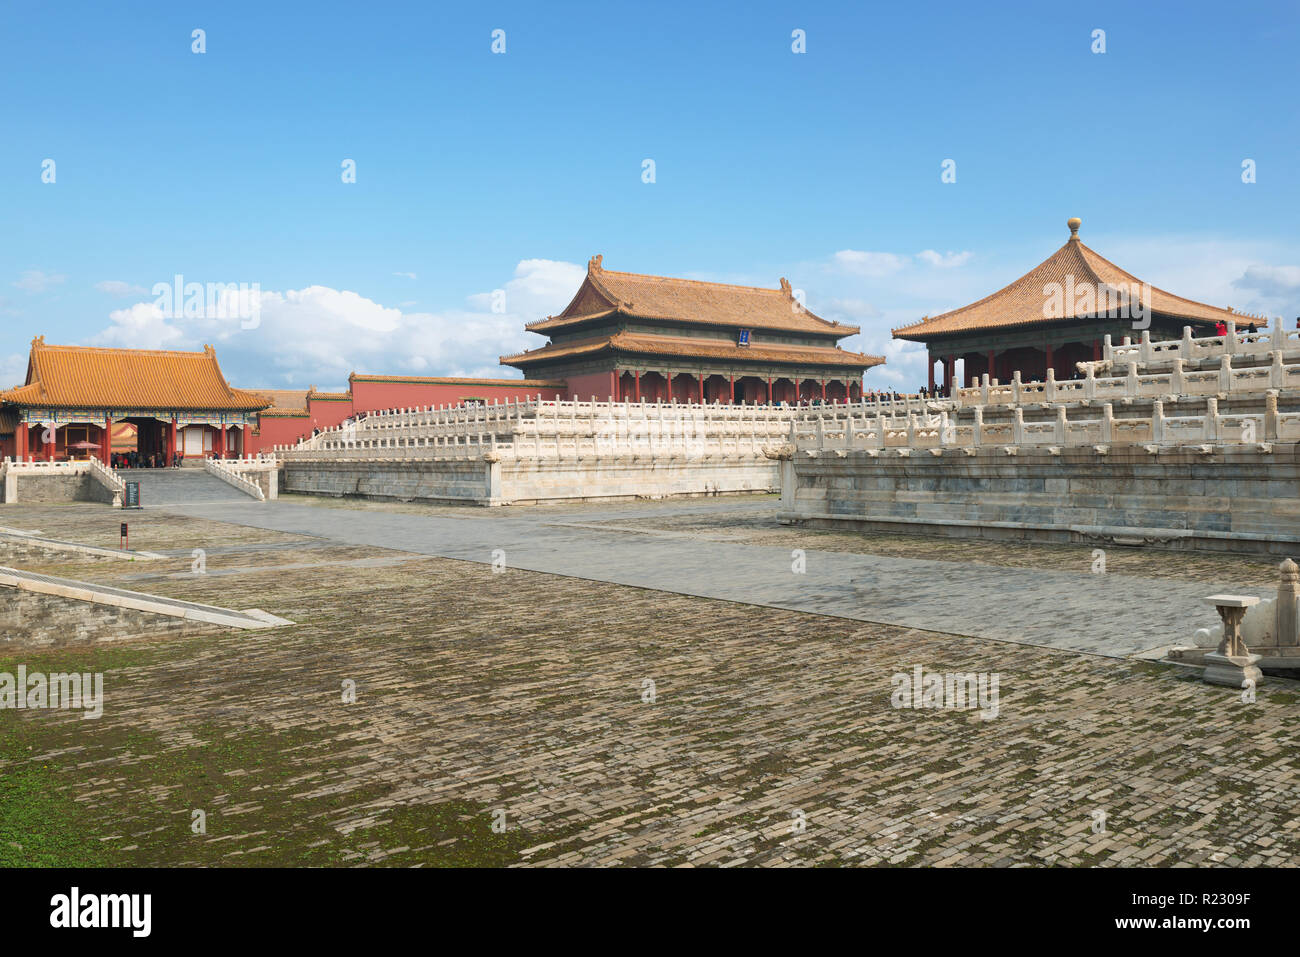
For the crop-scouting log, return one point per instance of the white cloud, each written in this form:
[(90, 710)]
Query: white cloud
[(946, 260), (115, 287), (1279, 282), (861, 263), (13, 370), (406, 275), (33, 280), (320, 334)]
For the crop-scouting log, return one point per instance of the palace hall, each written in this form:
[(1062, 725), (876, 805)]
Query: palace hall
[(1057, 314), (76, 397), (637, 337)]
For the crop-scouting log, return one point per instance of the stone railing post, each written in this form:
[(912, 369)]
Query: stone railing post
[(1176, 382), (1272, 421), (1275, 371), (1230, 338), (1090, 381), (1060, 425), (1186, 350), (1018, 427), (1107, 422), (1157, 421), (1212, 419), (1288, 631), (1225, 373), (1015, 387), (984, 389), (1049, 385), (1144, 349), (1132, 385), (977, 432), (1106, 347)]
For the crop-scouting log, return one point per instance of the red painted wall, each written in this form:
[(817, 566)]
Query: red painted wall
[(583, 387), (370, 396), (373, 396)]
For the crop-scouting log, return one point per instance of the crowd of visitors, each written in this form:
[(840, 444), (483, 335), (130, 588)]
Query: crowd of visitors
[(139, 460)]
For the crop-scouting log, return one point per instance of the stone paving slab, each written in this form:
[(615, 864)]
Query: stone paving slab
[(1078, 611), (523, 694)]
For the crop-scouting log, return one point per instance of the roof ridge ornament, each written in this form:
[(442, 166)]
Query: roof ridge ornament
[(594, 263), (786, 288), (1074, 222)]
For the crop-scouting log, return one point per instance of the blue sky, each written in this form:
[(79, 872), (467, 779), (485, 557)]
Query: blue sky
[(479, 172)]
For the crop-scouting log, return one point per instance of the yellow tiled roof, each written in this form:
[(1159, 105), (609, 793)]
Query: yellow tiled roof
[(1022, 303), (690, 347), (605, 292), (284, 400), (90, 377)]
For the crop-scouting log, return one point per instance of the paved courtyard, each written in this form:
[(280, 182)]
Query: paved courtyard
[(1070, 608), (523, 698)]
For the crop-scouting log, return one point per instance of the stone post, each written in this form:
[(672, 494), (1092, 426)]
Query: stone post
[(1232, 664), (1272, 421), (1107, 422), (1186, 350), (1018, 427), (1106, 347), (1212, 419), (1049, 385), (1132, 385), (1015, 387), (1090, 381), (1176, 383), (1144, 349), (984, 389), (1230, 339), (1288, 632), (977, 432), (1157, 421), (1060, 425), (1275, 370), (1225, 373)]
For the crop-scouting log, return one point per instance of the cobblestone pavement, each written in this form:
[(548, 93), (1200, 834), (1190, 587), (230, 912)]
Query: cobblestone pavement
[(1057, 607), (521, 697)]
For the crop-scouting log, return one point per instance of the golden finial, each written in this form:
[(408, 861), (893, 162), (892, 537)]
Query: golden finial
[(1074, 222)]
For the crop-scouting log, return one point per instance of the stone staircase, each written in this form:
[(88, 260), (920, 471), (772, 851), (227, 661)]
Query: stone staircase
[(160, 487)]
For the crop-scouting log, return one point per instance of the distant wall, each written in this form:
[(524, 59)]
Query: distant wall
[(1236, 498), (373, 395), (524, 481), (47, 489), (32, 620), (369, 395)]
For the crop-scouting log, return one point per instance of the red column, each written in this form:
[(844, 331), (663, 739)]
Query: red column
[(52, 443), (930, 368), (637, 374), (701, 388), (20, 441), (1096, 350), (219, 443), (823, 390), (769, 390), (244, 437), (669, 398), (993, 359), (171, 441), (613, 386), (106, 444), (733, 388)]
